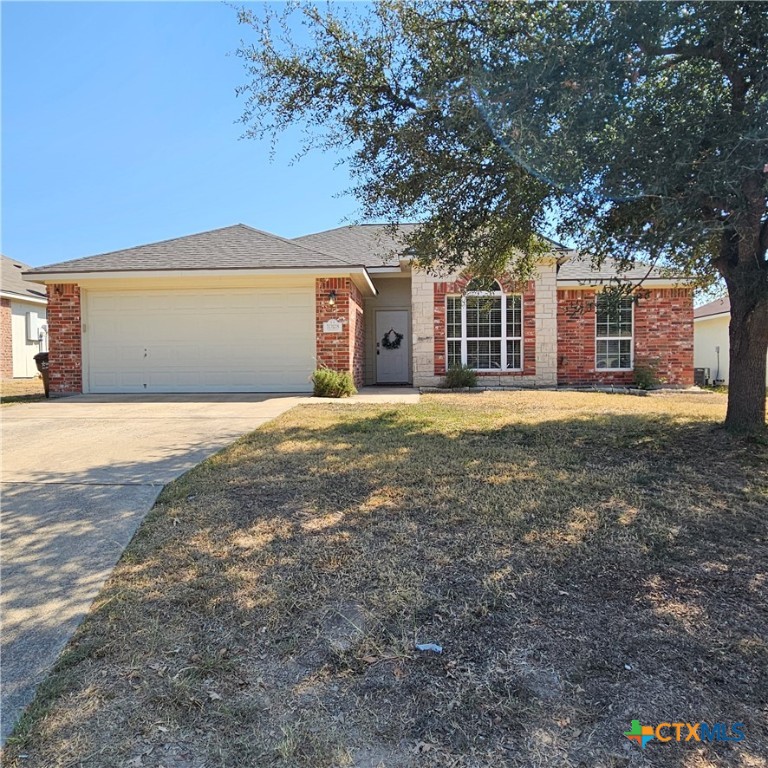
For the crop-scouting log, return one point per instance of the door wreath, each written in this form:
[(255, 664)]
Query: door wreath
[(391, 343)]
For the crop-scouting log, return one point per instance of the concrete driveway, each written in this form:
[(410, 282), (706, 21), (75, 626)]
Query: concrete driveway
[(78, 476)]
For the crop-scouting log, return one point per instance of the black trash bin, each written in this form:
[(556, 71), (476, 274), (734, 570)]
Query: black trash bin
[(41, 361)]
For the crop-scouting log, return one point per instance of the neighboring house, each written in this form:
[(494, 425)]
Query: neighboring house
[(711, 344), (240, 310), (22, 320)]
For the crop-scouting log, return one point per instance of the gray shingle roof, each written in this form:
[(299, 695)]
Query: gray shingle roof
[(716, 307), (235, 247), (11, 281), (375, 245), (370, 244), (243, 247), (580, 268)]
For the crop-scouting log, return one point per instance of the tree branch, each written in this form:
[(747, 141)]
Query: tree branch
[(739, 80)]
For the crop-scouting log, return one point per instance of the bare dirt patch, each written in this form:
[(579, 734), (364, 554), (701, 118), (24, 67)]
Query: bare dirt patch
[(584, 560)]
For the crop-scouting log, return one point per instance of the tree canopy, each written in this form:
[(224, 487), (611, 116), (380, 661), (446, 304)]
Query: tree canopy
[(636, 130)]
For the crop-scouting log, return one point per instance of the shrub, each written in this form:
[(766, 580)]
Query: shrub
[(647, 374), (330, 383), (459, 376)]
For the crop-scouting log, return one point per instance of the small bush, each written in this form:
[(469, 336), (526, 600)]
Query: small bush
[(647, 374), (460, 376), (330, 383)]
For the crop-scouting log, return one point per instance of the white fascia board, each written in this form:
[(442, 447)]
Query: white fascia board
[(76, 277), (363, 281), (20, 297), (712, 316), (385, 270)]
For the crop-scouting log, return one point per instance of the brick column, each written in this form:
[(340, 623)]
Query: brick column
[(345, 350), (65, 339), (6, 340)]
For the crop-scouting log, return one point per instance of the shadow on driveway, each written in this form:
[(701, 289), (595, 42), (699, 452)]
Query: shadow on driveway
[(79, 475)]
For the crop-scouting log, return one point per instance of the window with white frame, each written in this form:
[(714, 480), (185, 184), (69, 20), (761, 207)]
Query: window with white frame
[(613, 332), (484, 329)]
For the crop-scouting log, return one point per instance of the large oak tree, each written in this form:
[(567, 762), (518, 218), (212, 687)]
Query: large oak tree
[(637, 130)]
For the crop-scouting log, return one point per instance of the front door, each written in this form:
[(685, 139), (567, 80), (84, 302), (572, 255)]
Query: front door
[(392, 346)]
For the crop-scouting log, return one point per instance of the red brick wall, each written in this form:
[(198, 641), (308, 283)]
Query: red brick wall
[(357, 335), (663, 334), (6, 340), (529, 324), (343, 351), (65, 339)]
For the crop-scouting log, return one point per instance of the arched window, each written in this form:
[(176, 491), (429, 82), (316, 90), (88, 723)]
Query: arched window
[(479, 285), (484, 328)]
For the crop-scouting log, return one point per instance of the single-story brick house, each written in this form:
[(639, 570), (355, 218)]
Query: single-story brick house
[(711, 339), (240, 310), (22, 321)]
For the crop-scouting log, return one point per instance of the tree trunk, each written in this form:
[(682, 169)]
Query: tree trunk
[(749, 347), (743, 265)]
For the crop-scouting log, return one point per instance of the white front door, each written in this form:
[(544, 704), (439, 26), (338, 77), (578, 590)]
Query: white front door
[(392, 346)]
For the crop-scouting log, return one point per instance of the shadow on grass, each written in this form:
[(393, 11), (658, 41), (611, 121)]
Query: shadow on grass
[(16, 399), (579, 573)]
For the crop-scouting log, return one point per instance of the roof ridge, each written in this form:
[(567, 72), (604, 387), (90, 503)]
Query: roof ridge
[(356, 226), (143, 245), (300, 245), (15, 262), (170, 240)]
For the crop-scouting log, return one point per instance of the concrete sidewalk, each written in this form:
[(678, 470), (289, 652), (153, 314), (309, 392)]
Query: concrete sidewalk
[(78, 476), (371, 396)]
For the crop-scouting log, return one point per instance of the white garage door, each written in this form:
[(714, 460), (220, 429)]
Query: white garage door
[(247, 340)]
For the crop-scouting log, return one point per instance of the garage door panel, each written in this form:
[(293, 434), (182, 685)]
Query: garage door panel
[(117, 382), (195, 341)]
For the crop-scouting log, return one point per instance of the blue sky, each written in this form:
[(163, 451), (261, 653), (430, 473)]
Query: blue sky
[(119, 128)]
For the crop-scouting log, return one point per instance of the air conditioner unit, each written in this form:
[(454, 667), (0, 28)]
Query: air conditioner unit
[(701, 377)]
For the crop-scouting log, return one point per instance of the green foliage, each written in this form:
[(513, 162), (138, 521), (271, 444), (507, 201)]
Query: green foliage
[(460, 376), (330, 383), (642, 125), (646, 374), (634, 130)]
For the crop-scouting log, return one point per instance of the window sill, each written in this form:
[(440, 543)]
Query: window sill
[(495, 371)]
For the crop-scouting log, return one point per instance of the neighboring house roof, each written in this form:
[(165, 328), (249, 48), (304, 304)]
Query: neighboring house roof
[(13, 286), (235, 247), (374, 245), (579, 268), (719, 306)]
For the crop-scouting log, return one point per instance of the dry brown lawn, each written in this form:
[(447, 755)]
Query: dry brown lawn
[(14, 391), (583, 559)]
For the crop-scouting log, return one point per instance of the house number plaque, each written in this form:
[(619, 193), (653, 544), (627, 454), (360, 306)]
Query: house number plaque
[(332, 326)]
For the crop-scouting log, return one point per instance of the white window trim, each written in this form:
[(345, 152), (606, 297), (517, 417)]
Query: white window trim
[(503, 339), (630, 338)]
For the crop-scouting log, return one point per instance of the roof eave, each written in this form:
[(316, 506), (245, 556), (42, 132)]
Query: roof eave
[(23, 297), (713, 315), (358, 270)]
